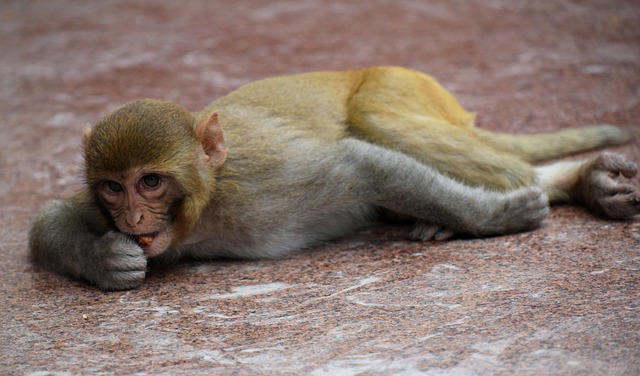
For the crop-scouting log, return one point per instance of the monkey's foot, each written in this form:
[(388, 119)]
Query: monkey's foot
[(423, 231), (606, 185)]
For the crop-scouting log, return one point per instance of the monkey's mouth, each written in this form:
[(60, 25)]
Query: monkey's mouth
[(153, 243), (145, 240)]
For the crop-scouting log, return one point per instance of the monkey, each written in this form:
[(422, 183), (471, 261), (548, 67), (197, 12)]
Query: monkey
[(285, 163)]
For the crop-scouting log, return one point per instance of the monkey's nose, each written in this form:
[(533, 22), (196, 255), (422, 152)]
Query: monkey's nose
[(134, 219)]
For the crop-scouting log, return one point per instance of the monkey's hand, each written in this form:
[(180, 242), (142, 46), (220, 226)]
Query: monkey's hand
[(428, 231), (117, 262), (509, 212), (65, 239), (605, 184)]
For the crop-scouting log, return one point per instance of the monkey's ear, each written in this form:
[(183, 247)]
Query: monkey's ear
[(86, 134), (209, 135)]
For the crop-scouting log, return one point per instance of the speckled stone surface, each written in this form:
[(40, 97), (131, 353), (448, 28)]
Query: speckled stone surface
[(561, 300)]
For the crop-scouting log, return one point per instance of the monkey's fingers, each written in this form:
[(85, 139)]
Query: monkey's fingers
[(423, 231), (121, 264), (520, 210)]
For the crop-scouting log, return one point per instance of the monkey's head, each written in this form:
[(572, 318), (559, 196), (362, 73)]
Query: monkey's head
[(151, 169)]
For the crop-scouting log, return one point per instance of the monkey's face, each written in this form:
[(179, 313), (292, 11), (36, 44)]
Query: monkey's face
[(142, 204), (152, 171)]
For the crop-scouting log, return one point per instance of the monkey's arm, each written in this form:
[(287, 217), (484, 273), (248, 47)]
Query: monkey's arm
[(401, 184), (71, 237)]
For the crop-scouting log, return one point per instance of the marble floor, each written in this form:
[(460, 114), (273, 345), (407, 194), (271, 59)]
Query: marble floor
[(561, 300)]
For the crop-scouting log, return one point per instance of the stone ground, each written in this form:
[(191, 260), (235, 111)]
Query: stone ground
[(560, 300)]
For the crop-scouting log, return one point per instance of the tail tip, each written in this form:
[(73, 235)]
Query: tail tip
[(614, 135)]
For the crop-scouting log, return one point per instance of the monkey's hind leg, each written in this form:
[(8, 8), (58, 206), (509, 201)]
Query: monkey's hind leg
[(605, 184)]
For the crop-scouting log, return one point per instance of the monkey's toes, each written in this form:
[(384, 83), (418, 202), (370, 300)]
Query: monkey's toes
[(615, 165), (623, 206)]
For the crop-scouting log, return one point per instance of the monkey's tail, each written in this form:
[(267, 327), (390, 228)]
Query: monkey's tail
[(541, 146)]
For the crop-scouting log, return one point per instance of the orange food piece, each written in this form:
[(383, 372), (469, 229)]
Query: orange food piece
[(145, 239)]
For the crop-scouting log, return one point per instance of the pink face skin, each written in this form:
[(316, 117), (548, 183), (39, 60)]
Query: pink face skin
[(139, 203)]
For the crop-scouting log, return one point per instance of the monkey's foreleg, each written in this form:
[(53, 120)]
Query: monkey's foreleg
[(399, 183)]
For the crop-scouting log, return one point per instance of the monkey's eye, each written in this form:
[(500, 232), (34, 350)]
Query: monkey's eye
[(151, 180), (113, 186)]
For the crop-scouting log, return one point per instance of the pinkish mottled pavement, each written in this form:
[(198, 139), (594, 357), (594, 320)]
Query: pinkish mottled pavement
[(560, 300)]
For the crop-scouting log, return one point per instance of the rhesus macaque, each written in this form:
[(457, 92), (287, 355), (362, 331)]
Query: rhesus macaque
[(285, 163)]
